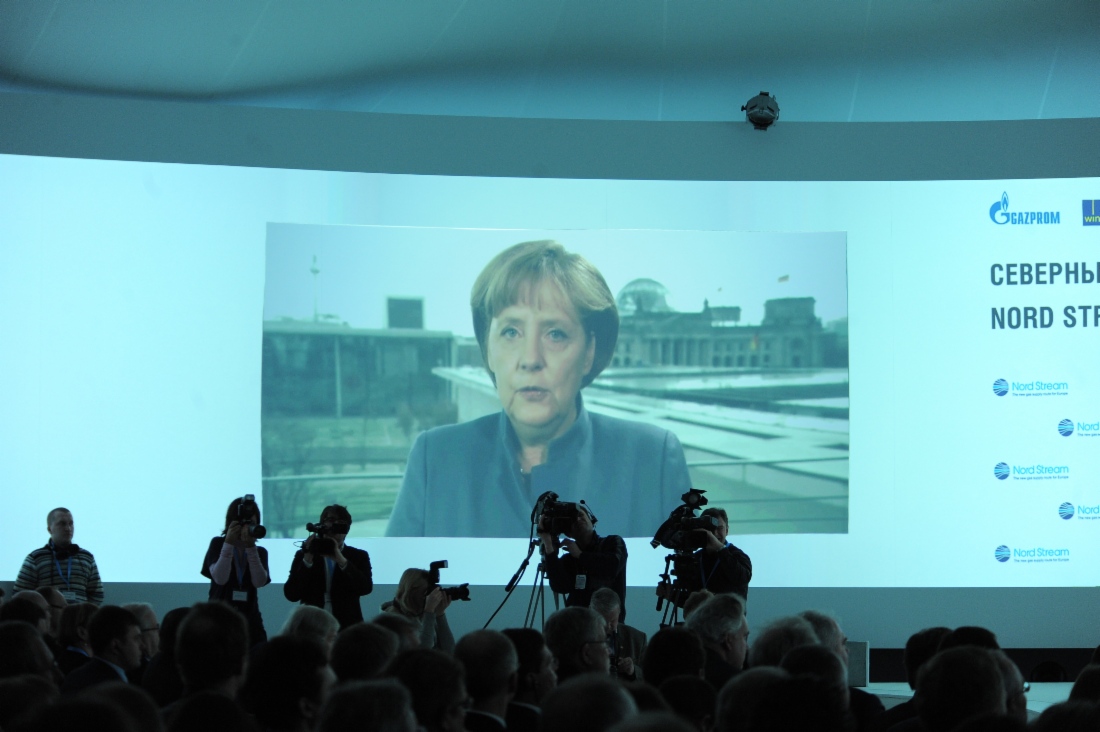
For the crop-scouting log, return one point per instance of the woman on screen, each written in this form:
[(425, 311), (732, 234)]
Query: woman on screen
[(236, 567), (547, 325)]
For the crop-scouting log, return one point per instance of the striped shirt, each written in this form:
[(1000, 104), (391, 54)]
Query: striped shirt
[(71, 569)]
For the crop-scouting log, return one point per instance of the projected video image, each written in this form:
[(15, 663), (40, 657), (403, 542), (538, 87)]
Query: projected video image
[(728, 372)]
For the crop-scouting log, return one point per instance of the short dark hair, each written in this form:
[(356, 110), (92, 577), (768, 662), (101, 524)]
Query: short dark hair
[(718, 513), (110, 622), (22, 608), (970, 635), (566, 632), (434, 679), (281, 673), (494, 657), (956, 684), (673, 652), (73, 619), (376, 705), (528, 643), (363, 650), (920, 647), (342, 513), (50, 515), (211, 645)]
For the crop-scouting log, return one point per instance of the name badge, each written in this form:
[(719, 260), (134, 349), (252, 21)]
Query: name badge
[(581, 582), (70, 596), (240, 596)]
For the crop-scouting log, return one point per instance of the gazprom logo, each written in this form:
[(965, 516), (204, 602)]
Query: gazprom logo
[(1002, 553), (1066, 511), (1001, 471), (1065, 427), (1000, 214), (1000, 387)]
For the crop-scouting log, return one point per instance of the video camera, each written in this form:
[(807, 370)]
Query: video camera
[(559, 515), (462, 592), (321, 541), (246, 509), (680, 533)]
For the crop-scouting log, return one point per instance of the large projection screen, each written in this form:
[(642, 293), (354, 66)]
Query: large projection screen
[(139, 297)]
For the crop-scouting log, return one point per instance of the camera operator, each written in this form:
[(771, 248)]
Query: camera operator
[(722, 566), (591, 561), (329, 574)]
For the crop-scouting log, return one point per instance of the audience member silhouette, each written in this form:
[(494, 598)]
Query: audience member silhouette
[(586, 703), (493, 680), (536, 678), (362, 652), (379, 706), (437, 683), (115, 636), (721, 624), (576, 637), (778, 638), (673, 652), (286, 684)]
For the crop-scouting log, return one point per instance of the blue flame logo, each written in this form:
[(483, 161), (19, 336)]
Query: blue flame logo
[(1000, 387), (1001, 471), (998, 212), (1002, 553), (1066, 511), (1065, 427)]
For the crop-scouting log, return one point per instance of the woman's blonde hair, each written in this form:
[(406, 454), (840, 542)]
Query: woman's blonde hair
[(504, 279), (412, 579)]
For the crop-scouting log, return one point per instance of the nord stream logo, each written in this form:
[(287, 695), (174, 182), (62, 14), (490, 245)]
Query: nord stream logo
[(1090, 213), (1083, 429), (1033, 388), (1083, 513), (1000, 214), (1004, 471), (1031, 555)]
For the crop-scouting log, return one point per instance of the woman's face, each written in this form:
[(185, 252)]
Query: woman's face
[(540, 354)]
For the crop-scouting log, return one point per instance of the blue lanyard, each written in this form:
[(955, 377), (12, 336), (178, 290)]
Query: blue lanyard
[(239, 564), (69, 574)]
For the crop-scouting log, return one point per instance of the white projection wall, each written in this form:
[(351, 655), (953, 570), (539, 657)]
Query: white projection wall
[(132, 297)]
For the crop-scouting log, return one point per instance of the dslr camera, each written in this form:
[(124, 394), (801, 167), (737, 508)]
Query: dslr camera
[(246, 509), (321, 541), (462, 592)]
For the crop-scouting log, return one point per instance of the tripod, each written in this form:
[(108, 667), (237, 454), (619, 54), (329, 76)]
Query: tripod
[(537, 601)]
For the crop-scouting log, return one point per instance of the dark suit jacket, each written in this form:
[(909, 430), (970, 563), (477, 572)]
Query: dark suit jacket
[(307, 584), (522, 718), (630, 643), (866, 707), (717, 671), (478, 722), (90, 674)]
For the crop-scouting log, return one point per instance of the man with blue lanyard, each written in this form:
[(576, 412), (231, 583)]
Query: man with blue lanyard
[(62, 564), (722, 566)]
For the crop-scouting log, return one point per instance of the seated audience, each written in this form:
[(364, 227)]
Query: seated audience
[(379, 706), (779, 637), (721, 624), (627, 643), (362, 651), (956, 684), (586, 703), (286, 684), (437, 683), (864, 706), (920, 647), (134, 701), (1070, 716), (969, 635), (494, 664), (1087, 685), (673, 652), (211, 650), (162, 678), (693, 699), (76, 650), (576, 637), (30, 607), (56, 604), (150, 636), (407, 629), (115, 636), (537, 676), (22, 651), (211, 711), (314, 623), (23, 696)]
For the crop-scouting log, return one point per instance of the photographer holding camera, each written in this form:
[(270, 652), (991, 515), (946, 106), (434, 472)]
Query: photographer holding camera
[(420, 598), (591, 561), (722, 566), (329, 574), (236, 566)]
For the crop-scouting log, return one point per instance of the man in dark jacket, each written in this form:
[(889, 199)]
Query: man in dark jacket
[(329, 574)]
